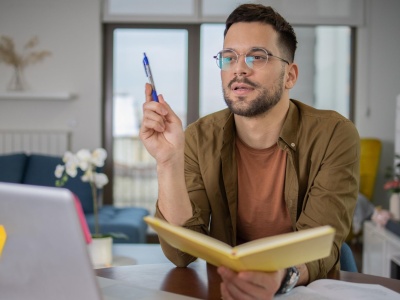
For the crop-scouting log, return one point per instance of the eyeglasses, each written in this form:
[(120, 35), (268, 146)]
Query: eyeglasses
[(255, 58)]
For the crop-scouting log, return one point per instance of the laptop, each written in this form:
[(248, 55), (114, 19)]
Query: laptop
[(45, 254)]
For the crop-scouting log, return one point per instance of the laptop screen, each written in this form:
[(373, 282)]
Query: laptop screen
[(45, 254)]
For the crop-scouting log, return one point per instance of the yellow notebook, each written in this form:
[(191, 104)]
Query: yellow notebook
[(266, 254), (3, 237)]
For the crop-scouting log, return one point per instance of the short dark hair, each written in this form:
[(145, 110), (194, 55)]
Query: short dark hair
[(266, 14)]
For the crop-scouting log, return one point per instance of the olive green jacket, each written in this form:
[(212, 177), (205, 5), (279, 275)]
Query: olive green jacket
[(321, 181)]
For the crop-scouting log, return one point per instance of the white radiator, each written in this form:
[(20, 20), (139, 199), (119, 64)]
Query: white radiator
[(52, 142)]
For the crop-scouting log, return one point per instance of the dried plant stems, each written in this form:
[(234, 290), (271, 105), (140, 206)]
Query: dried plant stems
[(9, 56)]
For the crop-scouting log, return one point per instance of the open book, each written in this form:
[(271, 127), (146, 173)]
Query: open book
[(266, 254), (329, 289)]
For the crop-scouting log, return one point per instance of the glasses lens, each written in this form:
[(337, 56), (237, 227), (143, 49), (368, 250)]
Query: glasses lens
[(256, 58), (225, 59)]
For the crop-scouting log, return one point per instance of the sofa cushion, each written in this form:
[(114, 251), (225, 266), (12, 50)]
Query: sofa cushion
[(40, 171), (127, 220), (12, 167)]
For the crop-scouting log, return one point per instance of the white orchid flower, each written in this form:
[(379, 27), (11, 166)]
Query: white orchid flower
[(100, 180), (71, 166), (98, 157), (59, 171), (87, 162), (88, 175), (84, 158), (67, 156)]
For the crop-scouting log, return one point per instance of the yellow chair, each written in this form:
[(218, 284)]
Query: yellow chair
[(370, 152), (369, 165)]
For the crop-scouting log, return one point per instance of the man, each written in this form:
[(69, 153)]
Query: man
[(264, 166)]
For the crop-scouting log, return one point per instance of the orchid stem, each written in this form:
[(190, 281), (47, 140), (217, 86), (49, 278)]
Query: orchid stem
[(95, 209)]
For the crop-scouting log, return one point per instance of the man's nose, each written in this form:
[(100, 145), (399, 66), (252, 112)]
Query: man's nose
[(241, 68)]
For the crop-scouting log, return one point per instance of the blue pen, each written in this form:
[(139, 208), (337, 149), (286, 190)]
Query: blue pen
[(148, 74)]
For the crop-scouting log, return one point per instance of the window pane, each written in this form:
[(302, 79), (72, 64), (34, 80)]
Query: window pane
[(212, 38), (135, 180), (332, 78), (167, 53), (323, 57)]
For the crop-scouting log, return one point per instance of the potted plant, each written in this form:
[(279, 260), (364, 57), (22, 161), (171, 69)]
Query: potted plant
[(393, 186), (19, 61), (100, 248)]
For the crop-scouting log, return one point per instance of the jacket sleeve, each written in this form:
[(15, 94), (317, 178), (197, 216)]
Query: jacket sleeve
[(332, 192), (199, 201)]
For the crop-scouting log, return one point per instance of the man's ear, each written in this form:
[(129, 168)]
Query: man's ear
[(291, 77)]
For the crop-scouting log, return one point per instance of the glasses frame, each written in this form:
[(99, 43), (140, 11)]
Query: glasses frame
[(245, 55)]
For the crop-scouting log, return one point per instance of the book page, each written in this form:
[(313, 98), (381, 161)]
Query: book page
[(330, 289), (183, 238), (287, 249), (304, 293), (283, 240)]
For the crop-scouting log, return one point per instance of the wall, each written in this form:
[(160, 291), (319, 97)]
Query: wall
[(72, 31), (378, 81)]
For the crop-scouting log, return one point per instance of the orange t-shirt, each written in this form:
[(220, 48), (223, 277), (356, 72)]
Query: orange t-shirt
[(262, 209)]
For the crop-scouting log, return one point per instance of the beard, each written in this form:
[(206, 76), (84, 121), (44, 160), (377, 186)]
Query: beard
[(264, 102)]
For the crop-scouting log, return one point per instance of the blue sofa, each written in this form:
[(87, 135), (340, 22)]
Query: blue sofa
[(35, 169)]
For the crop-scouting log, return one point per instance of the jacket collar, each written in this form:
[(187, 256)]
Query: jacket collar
[(289, 131)]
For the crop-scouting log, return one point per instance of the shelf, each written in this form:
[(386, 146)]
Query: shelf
[(36, 96)]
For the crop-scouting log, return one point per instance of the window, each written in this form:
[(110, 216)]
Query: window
[(181, 58), (167, 52), (134, 177), (133, 169)]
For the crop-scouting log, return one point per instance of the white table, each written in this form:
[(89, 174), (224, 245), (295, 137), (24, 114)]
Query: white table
[(381, 250), (138, 254)]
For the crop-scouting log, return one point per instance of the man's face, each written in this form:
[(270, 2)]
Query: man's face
[(250, 92)]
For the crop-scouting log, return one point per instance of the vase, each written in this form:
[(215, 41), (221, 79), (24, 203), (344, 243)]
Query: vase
[(18, 82), (100, 251), (394, 206)]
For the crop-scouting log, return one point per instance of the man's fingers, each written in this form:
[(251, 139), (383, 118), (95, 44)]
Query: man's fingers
[(152, 108), (147, 92), (153, 120), (163, 109), (226, 273), (248, 285)]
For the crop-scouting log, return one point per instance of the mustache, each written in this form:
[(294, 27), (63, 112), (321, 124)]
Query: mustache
[(243, 80)]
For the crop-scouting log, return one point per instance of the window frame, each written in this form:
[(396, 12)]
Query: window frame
[(193, 82), (108, 87)]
